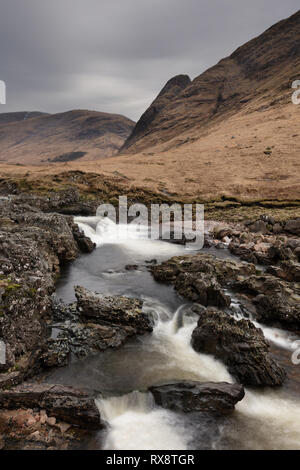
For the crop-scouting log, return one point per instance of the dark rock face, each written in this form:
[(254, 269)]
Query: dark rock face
[(200, 277), (276, 301), (114, 311), (172, 88), (94, 323), (219, 398), (84, 243), (240, 345), (33, 246), (66, 403)]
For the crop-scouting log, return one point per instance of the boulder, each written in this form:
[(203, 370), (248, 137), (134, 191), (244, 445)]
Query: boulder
[(112, 310), (293, 226), (82, 340), (65, 403), (277, 302), (200, 277), (33, 247), (219, 398), (240, 345), (84, 243)]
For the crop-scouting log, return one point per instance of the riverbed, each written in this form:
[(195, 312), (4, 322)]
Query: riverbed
[(264, 419)]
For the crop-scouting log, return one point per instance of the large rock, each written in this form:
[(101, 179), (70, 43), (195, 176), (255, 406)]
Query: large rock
[(82, 340), (65, 403), (200, 277), (293, 226), (33, 247), (112, 310), (84, 243), (240, 345), (186, 396), (277, 302), (93, 324), (287, 270)]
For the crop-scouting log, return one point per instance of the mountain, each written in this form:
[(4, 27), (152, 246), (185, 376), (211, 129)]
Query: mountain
[(257, 75), (33, 137)]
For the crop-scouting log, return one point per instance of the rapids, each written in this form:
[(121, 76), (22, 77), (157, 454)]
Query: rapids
[(265, 419)]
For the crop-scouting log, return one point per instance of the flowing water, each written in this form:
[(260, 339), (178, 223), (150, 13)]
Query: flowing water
[(265, 419)]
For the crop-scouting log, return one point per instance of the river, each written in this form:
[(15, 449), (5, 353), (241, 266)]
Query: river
[(264, 419)]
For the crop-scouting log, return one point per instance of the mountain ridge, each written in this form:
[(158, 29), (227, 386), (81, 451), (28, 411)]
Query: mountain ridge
[(35, 137), (245, 75)]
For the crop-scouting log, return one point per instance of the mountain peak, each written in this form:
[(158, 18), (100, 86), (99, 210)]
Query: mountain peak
[(262, 69)]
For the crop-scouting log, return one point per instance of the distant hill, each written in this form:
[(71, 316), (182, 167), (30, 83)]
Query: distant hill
[(33, 137)]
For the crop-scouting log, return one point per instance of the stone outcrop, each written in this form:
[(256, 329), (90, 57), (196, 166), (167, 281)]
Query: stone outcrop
[(219, 398), (277, 302), (239, 344), (65, 403), (33, 247), (94, 323), (112, 310), (200, 277)]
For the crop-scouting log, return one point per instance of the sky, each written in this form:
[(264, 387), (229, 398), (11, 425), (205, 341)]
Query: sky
[(116, 55)]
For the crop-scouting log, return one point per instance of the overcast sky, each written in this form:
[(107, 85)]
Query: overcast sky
[(116, 55)]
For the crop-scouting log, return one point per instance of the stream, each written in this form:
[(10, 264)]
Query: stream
[(264, 419)]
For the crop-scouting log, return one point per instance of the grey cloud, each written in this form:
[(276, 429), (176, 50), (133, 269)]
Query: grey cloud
[(115, 55)]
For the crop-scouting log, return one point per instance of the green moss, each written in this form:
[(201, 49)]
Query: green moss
[(9, 286), (31, 292)]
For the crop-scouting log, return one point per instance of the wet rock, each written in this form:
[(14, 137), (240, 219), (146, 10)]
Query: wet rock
[(219, 398), (112, 311), (84, 243), (201, 289), (277, 302), (240, 345), (65, 403), (57, 353), (33, 247), (201, 277), (83, 340), (131, 267)]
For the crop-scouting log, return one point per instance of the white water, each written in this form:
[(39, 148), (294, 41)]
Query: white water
[(134, 237), (137, 424), (263, 420), (282, 338)]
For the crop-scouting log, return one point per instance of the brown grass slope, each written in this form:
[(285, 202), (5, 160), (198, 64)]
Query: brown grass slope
[(231, 133), (263, 68), (38, 137)]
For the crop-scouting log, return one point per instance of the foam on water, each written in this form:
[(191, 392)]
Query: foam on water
[(137, 424), (262, 420)]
